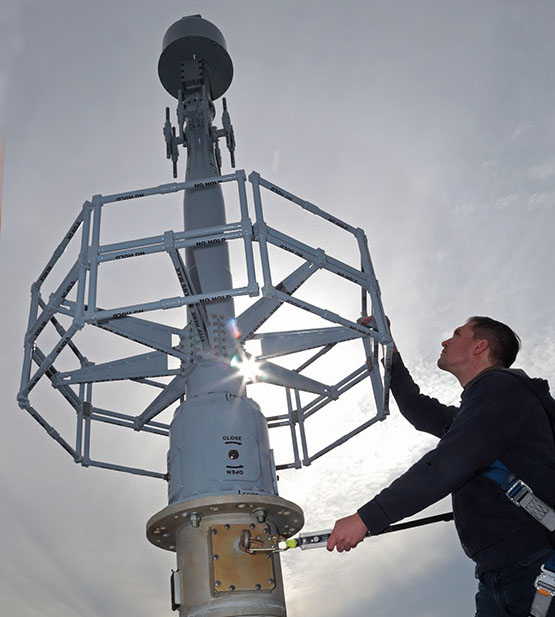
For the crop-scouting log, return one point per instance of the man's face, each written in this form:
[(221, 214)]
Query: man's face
[(458, 350)]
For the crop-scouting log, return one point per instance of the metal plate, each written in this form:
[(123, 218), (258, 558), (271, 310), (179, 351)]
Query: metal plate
[(162, 527), (234, 569)]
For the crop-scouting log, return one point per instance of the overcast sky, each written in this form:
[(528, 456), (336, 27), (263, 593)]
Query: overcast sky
[(430, 124)]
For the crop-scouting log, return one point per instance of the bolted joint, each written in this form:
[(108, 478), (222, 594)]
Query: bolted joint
[(195, 519), (169, 240), (260, 515)]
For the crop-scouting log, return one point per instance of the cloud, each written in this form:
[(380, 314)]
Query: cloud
[(393, 147), (541, 200), (543, 170)]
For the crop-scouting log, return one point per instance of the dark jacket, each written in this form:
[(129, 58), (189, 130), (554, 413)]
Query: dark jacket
[(501, 416)]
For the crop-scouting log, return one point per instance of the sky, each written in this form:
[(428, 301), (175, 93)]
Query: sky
[(429, 124)]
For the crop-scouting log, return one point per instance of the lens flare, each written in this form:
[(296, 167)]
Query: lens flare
[(247, 366), (233, 328)]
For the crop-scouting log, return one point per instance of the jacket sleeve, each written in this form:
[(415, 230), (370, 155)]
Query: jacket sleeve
[(494, 411), (423, 412)]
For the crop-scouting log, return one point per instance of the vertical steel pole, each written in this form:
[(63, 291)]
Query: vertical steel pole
[(221, 473)]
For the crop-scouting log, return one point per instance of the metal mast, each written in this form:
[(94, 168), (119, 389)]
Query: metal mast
[(221, 477), (222, 484)]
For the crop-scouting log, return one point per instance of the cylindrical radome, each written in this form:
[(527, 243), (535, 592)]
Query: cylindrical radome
[(222, 482), (232, 456), (190, 38)]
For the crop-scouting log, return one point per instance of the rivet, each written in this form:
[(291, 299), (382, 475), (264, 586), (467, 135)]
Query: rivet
[(218, 583), (271, 581), (231, 587), (215, 557), (258, 586)]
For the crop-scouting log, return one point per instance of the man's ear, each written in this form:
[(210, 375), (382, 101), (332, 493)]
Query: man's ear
[(481, 346)]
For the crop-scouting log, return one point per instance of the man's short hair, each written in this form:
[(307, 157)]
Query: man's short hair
[(504, 344)]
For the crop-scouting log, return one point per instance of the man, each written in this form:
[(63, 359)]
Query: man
[(503, 422)]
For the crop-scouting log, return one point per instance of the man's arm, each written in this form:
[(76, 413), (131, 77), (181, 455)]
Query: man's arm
[(423, 412), (494, 413)]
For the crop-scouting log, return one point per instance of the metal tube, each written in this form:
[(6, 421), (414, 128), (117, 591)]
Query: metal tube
[(345, 438), (85, 459), (330, 316), (162, 189), (167, 303), (60, 249), (48, 361), (246, 225), (93, 255), (83, 259), (300, 420), (127, 424), (262, 229), (155, 244), (286, 242), (61, 292), (132, 470), (79, 424), (306, 205)]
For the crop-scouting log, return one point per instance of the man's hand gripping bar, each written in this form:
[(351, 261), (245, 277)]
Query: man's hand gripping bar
[(274, 543)]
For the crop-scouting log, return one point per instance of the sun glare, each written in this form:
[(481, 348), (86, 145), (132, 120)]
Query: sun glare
[(247, 366)]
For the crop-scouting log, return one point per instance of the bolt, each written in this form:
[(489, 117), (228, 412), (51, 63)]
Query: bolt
[(260, 514), (258, 586), (218, 583), (195, 519), (231, 587), (271, 581), (215, 557)]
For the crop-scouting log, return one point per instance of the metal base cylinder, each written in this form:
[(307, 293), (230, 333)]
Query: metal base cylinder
[(216, 577)]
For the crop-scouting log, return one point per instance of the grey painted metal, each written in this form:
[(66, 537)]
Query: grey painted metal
[(217, 431), (256, 315), (275, 344), (305, 205), (188, 41), (121, 320), (233, 456)]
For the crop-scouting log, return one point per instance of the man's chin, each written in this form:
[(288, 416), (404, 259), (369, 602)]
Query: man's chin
[(441, 364)]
